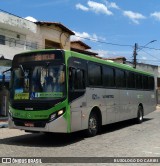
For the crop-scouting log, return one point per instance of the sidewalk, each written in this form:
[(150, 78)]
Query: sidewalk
[(3, 122), (158, 106)]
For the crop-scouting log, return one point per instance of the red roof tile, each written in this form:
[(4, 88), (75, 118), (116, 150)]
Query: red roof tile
[(56, 24), (81, 43)]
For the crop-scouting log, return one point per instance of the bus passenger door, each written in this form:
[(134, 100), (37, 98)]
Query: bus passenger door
[(77, 97), (111, 96), (124, 103), (111, 105)]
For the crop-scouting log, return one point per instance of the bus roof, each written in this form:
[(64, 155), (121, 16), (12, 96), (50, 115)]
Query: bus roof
[(109, 63), (93, 59)]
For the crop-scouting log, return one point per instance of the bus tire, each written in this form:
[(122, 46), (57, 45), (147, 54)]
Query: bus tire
[(93, 125), (140, 115)]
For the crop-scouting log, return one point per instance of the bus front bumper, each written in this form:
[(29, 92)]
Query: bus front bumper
[(58, 125)]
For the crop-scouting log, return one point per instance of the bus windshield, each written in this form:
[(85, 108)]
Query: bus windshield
[(44, 81)]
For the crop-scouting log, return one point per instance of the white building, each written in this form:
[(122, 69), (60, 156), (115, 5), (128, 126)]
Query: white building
[(16, 35), (19, 35)]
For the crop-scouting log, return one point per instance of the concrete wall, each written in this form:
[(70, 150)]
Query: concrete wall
[(16, 42), (54, 34), (9, 21), (22, 35), (19, 35)]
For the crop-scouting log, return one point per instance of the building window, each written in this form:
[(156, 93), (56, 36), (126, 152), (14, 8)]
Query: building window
[(31, 46), (2, 39), (158, 82), (20, 43), (12, 42), (51, 44)]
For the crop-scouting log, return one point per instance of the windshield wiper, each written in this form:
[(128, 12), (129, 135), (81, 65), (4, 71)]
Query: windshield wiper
[(21, 67)]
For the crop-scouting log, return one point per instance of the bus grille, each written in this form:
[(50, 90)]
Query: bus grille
[(23, 122)]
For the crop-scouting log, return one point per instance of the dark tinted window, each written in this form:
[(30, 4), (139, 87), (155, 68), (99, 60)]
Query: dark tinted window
[(109, 77), (76, 79), (2, 39), (94, 74), (120, 78), (138, 81), (151, 83), (130, 80), (79, 79), (145, 82)]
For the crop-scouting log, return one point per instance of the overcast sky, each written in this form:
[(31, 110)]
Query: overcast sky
[(113, 26)]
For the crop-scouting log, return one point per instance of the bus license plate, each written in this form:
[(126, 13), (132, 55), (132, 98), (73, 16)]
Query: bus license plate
[(29, 124)]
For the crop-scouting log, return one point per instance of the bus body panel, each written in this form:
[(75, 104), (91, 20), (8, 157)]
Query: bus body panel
[(110, 100), (58, 126), (77, 107), (95, 99), (115, 104), (123, 104), (150, 102)]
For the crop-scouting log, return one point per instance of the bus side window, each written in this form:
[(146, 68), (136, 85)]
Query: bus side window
[(79, 83), (76, 79), (71, 78)]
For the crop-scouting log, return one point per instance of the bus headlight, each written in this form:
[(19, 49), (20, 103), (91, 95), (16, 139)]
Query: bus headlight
[(60, 112), (56, 115)]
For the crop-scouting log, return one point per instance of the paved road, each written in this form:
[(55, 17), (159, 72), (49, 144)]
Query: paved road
[(125, 139)]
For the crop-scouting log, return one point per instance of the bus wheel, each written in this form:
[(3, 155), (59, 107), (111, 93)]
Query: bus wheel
[(140, 115), (92, 125)]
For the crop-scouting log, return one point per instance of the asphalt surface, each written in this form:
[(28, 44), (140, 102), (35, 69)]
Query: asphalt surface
[(124, 139)]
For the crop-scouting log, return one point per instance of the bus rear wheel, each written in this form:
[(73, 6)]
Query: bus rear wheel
[(140, 115), (93, 125)]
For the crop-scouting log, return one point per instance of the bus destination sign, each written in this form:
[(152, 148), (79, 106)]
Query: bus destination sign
[(41, 57)]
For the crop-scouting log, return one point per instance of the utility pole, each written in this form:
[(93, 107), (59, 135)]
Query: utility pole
[(136, 49), (135, 55)]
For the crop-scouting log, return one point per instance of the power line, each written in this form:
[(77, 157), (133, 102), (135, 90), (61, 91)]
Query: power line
[(95, 40), (116, 44), (151, 55), (151, 48), (145, 60), (91, 39), (139, 49)]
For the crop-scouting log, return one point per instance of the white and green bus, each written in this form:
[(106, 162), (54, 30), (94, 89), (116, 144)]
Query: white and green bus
[(63, 91)]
